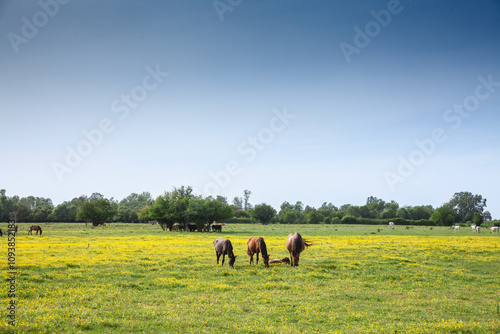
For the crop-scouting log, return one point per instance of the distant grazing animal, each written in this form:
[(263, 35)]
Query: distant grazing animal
[(455, 227), (224, 247), (478, 229), (391, 224), (35, 228), (217, 228), (473, 228), (295, 245), (175, 228), (494, 229), (256, 245), (206, 228), (191, 227), (284, 260)]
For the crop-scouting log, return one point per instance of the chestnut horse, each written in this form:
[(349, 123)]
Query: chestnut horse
[(35, 228), (223, 247), (257, 245), (295, 245)]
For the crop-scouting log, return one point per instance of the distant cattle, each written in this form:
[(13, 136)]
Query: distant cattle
[(455, 227), (473, 228), (494, 229), (478, 229), (391, 224), (217, 228), (191, 227)]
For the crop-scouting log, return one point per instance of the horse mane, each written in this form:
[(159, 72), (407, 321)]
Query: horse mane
[(263, 248)]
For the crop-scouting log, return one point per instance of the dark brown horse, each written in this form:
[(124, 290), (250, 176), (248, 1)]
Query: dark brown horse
[(217, 228), (35, 228), (295, 245), (256, 245), (223, 247)]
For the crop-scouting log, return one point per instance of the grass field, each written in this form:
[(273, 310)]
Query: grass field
[(354, 279)]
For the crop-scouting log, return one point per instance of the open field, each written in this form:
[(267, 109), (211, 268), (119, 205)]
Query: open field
[(354, 279)]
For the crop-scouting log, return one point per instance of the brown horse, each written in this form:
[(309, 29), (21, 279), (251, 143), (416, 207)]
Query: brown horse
[(223, 247), (35, 228), (284, 260), (295, 245), (256, 245)]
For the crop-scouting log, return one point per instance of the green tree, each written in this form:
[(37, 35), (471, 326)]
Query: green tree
[(96, 210), (466, 204), (143, 213), (64, 212), (163, 211), (477, 219), (263, 213), (314, 217), (443, 216), (390, 210), (246, 197)]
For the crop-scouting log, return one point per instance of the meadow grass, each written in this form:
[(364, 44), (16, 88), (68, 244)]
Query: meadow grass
[(124, 278)]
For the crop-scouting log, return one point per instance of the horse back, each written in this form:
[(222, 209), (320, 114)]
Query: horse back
[(290, 242)]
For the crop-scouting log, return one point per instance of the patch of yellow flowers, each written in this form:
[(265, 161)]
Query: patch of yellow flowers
[(171, 283)]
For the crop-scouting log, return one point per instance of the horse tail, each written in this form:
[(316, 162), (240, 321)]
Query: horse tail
[(307, 243), (297, 245), (263, 248)]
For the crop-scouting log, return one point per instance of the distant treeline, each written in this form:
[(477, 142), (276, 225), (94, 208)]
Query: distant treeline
[(181, 206)]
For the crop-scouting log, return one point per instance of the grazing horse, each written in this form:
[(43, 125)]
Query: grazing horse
[(217, 228), (223, 247), (391, 224), (494, 229), (456, 227), (35, 228), (256, 245), (295, 245)]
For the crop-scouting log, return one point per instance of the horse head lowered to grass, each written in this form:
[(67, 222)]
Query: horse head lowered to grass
[(224, 247), (35, 228), (295, 244), (256, 245)]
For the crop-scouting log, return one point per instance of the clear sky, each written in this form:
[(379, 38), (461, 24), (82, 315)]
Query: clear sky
[(312, 101)]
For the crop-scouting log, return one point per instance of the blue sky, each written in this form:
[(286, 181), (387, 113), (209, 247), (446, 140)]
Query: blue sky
[(258, 95)]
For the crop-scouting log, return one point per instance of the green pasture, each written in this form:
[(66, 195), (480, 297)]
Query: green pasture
[(125, 278)]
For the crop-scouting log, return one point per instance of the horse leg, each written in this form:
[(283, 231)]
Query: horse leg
[(257, 258), (251, 258), (223, 257), (218, 256)]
